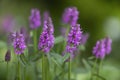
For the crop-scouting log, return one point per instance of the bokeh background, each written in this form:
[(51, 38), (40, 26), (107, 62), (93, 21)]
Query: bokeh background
[(97, 17)]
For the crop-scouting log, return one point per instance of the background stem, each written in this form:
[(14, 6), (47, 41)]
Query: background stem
[(43, 74), (35, 40), (69, 71), (94, 67), (7, 69), (99, 68), (19, 70), (24, 75)]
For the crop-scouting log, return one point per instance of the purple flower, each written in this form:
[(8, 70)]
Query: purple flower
[(108, 43), (63, 31), (70, 16), (102, 48), (46, 15), (84, 38), (35, 19), (19, 43), (8, 23), (99, 49), (11, 38), (46, 40), (8, 56), (74, 36), (73, 40), (48, 26), (25, 34)]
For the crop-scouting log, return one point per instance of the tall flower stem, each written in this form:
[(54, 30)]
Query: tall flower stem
[(46, 68), (62, 77), (55, 69), (100, 65), (35, 40), (7, 69), (69, 69), (43, 67), (35, 50), (94, 67), (24, 76), (19, 76)]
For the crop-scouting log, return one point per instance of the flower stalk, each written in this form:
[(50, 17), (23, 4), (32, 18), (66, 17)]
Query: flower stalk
[(7, 69), (69, 71), (43, 67), (35, 40), (19, 75)]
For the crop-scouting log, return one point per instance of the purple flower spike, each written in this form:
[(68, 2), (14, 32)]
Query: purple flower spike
[(108, 43), (99, 49), (48, 26), (84, 38), (74, 36), (73, 41), (8, 23), (11, 38), (23, 31), (46, 40), (63, 31), (35, 19), (8, 56), (46, 15), (70, 16), (19, 43)]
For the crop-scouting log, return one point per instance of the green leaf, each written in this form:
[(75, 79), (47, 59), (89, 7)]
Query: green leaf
[(91, 58), (23, 60), (86, 64), (2, 44), (36, 56), (59, 39), (57, 59), (102, 78), (51, 64), (65, 57), (82, 47), (57, 63)]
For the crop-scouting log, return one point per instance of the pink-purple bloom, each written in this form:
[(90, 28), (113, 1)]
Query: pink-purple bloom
[(73, 40), (74, 35), (70, 16), (19, 43), (102, 48), (8, 56), (35, 19), (63, 31), (23, 31), (84, 38), (108, 43), (8, 23), (99, 49), (46, 40), (46, 15)]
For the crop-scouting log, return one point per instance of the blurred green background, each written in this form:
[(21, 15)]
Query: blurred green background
[(97, 17)]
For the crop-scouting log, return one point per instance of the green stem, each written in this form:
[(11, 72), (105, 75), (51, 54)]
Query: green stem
[(69, 71), (19, 70), (35, 40), (24, 76), (35, 50), (55, 69), (100, 65), (64, 70), (43, 66), (47, 69), (7, 69), (94, 66)]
